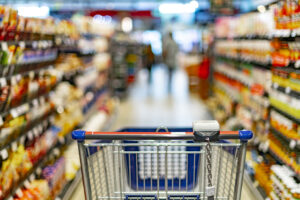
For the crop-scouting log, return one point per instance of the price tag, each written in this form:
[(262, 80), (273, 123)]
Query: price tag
[(34, 44), (14, 146), (45, 124), (56, 152), (61, 140), (22, 44), (3, 82), (19, 193), (4, 46), (297, 64), (35, 103), (265, 147), (42, 100), (13, 80), (26, 184), (32, 177), (287, 90), (256, 140), (293, 144), (1, 120), (40, 128), (22, 140), (30, 135), (36, 131), (51, 120), (14, 113), (38, 171), (18, 77), (4, 154)]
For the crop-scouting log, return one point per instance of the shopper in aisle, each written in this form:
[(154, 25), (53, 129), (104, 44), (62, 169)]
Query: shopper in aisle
[(170, 50), (149, 61)]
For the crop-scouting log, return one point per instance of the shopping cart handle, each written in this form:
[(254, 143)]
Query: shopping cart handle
[(80, 135)]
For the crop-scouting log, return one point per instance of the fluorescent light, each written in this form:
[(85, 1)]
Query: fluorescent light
[(177, 8), (126, 24), (33, 11), (261, 8), (194, 3)]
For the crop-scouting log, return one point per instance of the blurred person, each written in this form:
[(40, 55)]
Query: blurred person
[(149, 60), (170, 50)]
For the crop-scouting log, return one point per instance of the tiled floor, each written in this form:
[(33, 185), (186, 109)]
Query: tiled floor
[(153, 105)]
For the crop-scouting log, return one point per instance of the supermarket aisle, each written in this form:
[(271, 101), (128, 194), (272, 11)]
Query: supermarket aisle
[(152, 105)]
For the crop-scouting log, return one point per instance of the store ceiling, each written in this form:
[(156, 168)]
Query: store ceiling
[(126, 4)]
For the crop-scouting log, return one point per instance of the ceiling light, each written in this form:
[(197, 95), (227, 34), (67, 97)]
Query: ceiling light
[(33, 11), (261, 8), (126, 24), (194, 3)]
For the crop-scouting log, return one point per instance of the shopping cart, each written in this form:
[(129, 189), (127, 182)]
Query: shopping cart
[(178, 164)]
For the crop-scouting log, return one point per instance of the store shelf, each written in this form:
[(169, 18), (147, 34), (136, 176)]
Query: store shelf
[(255, 189), (286, 90), (247, 37), (31, 174), (13, 73), (280, 161), (239, 60), (36, 130), (14, 110), (284, 137), (69, 188), (286, 114), (78, 52)]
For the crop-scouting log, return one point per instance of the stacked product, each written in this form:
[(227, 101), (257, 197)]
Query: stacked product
[(256, 86), (284, 185), (46, 92)]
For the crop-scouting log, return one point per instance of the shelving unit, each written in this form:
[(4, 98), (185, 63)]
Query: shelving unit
[(262, 96)]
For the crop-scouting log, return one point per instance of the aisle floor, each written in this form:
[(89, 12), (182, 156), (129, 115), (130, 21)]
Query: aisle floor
[(155, 105)]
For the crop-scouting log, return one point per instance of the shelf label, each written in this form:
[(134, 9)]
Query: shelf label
[(287, 90), (297, 64), (293, 144), (26, 184), (19, 193), (22, 140), (40, 128), (36, 131), (42, 100), (56, 152), (3, 82), (4, 154), (1, 120), (38, 170), (30, 135), (32, 177), (4, 46), (35, 103), (14, 113), (45, 124), (61, 140), (22, 44), (14, 146)]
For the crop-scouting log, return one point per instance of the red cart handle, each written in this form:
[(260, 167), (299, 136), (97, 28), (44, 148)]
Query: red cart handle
[(80, 135)]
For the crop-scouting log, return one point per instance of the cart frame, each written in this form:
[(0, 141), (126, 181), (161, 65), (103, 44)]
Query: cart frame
[(179, 134)]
